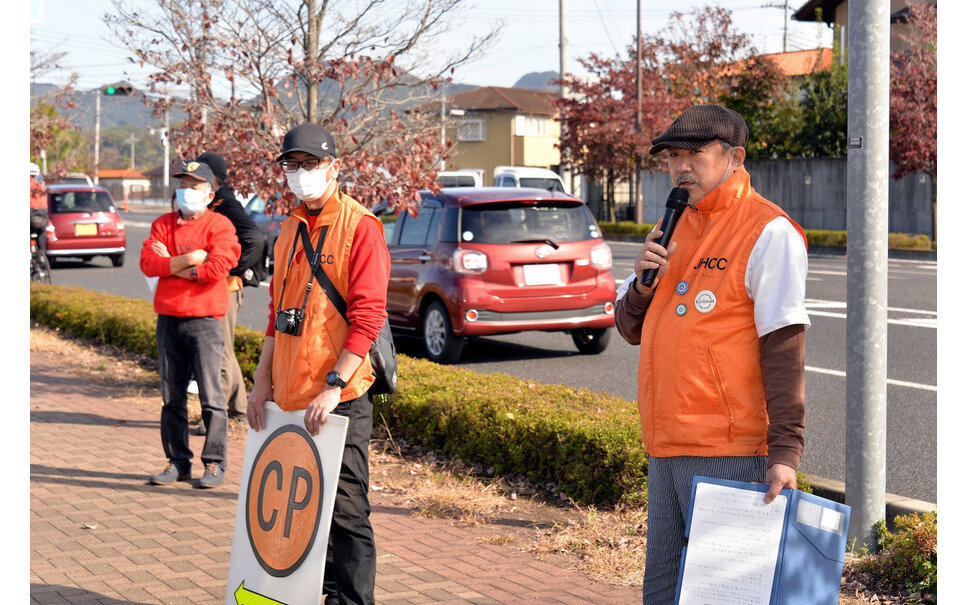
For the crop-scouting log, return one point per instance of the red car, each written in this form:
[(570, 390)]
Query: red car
[(498, 260), (84, 223)]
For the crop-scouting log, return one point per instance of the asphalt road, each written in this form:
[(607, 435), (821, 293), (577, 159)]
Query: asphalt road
[(552, 358)]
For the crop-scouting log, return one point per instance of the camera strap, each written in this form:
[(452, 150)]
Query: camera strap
[(313, 259), (324, 281)]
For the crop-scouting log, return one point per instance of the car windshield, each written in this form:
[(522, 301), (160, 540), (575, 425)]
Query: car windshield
[(541, 183), (256, 206), (518, 222), (81, 201)]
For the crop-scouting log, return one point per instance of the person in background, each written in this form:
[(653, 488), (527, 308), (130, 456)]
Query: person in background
[(191, 251), (253, 245)]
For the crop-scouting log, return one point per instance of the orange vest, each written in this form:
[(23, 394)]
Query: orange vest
[(700, 387), (300, 363)]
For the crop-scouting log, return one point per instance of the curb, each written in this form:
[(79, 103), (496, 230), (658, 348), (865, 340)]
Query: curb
[(814, 249), (895, 505)]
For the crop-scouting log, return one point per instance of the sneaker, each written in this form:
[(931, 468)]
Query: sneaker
[(213, 476), (170, 475), (200, 429), (193, 387)]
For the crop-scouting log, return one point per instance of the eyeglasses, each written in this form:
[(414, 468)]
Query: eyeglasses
[(310, 164)]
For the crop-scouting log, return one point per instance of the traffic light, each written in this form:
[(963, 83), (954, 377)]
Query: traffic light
[(117, 90)]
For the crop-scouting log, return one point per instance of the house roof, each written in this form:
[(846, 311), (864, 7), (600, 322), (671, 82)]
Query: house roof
[(793, 63), (802, 62), (121, 173), (807, 12), (524, 100)]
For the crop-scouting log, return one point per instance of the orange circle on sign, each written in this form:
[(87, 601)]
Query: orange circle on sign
[(284, 500)]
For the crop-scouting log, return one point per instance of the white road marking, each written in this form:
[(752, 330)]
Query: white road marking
[(899, 383)]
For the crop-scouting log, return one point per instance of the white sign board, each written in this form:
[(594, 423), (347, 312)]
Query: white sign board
[(284, 511)]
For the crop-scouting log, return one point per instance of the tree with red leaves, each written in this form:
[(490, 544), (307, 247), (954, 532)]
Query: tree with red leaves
[(346, 65), (51, 130), (687, 63), (914, 95)]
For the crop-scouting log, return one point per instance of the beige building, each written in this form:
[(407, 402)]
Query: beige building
[(493, 126)]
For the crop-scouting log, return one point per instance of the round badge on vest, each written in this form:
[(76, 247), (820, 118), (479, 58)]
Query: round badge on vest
[(705, 301), (682, 287), (681, 309)]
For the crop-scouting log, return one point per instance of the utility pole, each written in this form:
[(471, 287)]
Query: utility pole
[(165, 142), (97, 134), (786, 22), (566, 174), (131, 140), (443, 127), (868, 96), (639, 210)]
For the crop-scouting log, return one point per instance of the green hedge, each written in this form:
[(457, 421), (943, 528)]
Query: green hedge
[(816, 237), (587, 443)]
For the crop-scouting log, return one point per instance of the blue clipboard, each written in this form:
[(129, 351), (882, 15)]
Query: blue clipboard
[(810, 559)]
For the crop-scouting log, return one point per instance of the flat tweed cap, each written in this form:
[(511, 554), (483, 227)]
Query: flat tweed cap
[(699, 124)]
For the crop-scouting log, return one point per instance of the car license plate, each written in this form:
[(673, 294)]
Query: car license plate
[(546, 274), (85, 229)]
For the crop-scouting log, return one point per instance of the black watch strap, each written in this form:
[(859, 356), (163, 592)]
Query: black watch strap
[(333, 379)]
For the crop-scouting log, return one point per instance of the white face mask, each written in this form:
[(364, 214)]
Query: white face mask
[(191, 201), (308, 184)]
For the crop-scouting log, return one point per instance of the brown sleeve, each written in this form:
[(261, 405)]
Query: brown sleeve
[(782, 355), (630, 313)]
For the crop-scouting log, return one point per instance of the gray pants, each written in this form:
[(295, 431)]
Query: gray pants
[(670, 487), (231, 374), (187, 345)]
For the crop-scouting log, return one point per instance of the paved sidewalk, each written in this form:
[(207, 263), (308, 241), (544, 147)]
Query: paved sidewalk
[(100, 534)]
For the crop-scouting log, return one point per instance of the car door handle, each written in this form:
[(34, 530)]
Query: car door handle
[(423, 258)]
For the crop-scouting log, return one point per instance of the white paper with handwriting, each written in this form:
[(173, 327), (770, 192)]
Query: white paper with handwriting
[(734, 541)]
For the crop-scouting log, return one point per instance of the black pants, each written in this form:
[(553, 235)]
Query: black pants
[(350, 572), (189, 345)]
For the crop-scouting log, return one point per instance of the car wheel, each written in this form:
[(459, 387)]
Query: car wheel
[(591, 341), (117, 259), (441, 344)]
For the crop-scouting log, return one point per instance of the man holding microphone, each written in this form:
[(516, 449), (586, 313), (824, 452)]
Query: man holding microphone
[(721, 329)]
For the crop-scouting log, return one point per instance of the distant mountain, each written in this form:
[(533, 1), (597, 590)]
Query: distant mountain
[(538, 80)]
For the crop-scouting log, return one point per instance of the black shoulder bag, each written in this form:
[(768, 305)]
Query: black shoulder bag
[(383, 353)]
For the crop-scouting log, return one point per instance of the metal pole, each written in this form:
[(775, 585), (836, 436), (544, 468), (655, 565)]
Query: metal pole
[(167, 144), (97, 134), (639, 210), (43, 161), (786, 22), (868, 92), (443, 127), (562, 47)]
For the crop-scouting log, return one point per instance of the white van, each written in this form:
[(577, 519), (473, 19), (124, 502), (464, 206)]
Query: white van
[(461, 178), (527, 176)]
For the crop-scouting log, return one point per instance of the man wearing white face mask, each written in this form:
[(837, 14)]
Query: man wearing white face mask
[(191, 251), (315, 352)]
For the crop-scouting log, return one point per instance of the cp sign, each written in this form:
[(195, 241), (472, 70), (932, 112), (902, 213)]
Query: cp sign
[(284, 500), (285, 507)]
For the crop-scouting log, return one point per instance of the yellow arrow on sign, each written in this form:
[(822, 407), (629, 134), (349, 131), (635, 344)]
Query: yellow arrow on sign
[(247, 597)]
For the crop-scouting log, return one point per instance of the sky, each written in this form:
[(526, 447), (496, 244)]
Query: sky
[(528, 39)]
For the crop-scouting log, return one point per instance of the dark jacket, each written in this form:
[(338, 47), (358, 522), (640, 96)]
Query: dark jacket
[(252, 241)]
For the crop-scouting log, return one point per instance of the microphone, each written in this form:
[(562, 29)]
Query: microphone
[(675, 206)]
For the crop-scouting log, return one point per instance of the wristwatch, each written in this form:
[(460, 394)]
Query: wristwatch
[(333, 380)]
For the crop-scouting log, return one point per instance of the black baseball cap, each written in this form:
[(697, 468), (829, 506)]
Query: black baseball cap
[(310, 138), (216, 162), (698, 125), (197, 170)]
